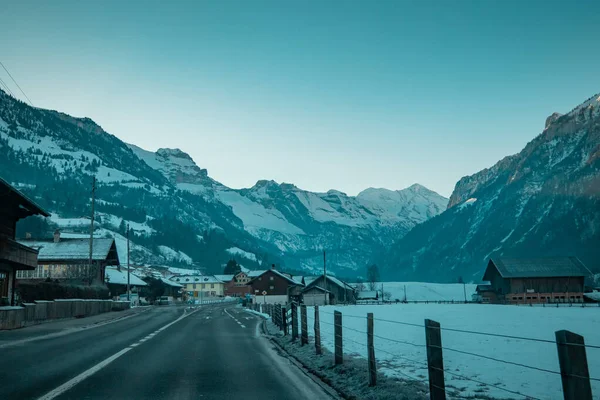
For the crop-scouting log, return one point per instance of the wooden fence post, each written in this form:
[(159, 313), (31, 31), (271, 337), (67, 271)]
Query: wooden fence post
[(284, 320), (279, 319), (573, 366), (339, 350), (294, 321), (304, 325), (435, 361), (371, 351), (317, 332)]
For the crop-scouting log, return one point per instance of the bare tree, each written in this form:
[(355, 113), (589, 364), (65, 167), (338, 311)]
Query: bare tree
[(372, 276), (360, 286)]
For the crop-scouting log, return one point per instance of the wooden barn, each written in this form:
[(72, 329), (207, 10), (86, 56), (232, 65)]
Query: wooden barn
[(535, 280), (339, 292)]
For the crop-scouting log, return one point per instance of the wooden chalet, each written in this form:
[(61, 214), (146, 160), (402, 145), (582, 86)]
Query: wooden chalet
[(68, 259), (273, 287), (14, 257), (534, 280)]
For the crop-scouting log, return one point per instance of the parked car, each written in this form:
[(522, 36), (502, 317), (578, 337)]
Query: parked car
[(164, 301)]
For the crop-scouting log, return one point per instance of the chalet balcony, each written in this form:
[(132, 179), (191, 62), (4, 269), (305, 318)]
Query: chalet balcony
[(17, 255)]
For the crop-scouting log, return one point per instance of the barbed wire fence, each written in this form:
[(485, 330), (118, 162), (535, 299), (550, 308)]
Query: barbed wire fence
[(571, 347)]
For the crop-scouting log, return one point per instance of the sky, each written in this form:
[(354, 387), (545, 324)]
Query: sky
[(326, 95)]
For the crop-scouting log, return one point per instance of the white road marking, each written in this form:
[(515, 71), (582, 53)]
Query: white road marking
[(68, 385), (239, 323), (85, 374)]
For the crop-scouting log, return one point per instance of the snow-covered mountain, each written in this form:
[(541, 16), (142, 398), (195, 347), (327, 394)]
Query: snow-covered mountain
[(542, 201), (299, 224), (180, 215)]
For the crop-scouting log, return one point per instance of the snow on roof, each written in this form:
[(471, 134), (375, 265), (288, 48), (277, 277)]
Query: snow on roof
[(298, 279), (116, 277), (284, 275), (254, 274), (538, 267), (593, 296), (196, 279), (309, 280), (184, 271), (169, 282), (70, 249), (365, 295), (224, 278), (319, 288)]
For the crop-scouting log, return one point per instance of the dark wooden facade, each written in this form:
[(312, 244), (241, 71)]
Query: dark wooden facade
[(238, 286), (541, 284), (14, 256), (272, 283)]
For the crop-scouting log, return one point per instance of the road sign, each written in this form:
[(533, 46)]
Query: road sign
[(264, 292)]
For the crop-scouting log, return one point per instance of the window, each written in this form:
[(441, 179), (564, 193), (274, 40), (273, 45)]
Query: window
[(212, 285), (203, 286), (194, 286), (271, 287), (271, 278), (260, 278)]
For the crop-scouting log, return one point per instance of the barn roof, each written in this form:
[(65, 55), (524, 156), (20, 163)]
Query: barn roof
[(116, 277), (310, 280), (318, 288), (546, 267), (284, 275), (71, 249)]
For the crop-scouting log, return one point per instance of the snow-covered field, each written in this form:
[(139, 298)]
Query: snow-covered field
[(400, 349), (423, 291)]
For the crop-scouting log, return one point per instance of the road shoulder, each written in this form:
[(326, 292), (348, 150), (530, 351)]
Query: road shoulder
[(64, 327)]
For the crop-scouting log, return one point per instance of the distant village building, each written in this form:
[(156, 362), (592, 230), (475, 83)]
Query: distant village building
[(273, 287), (68, 259), (15, 258), (116, 280), (236, 285), (201, 286), (534, 280)]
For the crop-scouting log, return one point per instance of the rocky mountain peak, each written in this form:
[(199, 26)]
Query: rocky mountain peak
[(175, 153), (551, 119)]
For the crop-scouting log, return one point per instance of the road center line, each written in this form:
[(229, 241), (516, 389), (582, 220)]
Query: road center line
[(85, 374)]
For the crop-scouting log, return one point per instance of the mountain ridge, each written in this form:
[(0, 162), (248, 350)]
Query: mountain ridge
[(544, 200), (178, 211)]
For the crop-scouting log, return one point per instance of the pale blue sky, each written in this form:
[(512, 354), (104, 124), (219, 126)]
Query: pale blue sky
[(322, 94)]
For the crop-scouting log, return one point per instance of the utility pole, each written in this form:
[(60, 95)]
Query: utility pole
[(91, 269), (465, 291), (325, 275), (128, 269)]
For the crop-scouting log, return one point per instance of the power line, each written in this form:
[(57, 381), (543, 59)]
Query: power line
[(13, 79), (5, 86)]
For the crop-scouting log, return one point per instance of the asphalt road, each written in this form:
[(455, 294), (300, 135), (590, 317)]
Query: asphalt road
[(215, 352)]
